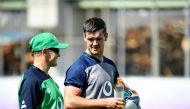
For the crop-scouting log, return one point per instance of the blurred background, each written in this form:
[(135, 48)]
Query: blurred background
[(149, 40)]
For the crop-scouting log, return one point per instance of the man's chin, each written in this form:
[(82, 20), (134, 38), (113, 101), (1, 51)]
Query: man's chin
[(95, 53)]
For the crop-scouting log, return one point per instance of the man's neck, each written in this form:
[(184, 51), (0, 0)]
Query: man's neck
[(96, 56), (42, 66)]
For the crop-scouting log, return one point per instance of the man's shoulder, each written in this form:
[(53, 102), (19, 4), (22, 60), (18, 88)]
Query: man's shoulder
[(109, 61), (83, 60), (35, 76)]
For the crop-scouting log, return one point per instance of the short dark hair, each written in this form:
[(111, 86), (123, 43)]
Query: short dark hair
[(93, 24)]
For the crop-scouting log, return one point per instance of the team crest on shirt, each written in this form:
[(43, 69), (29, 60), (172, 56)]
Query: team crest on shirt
[(59, 103), (48, 91)]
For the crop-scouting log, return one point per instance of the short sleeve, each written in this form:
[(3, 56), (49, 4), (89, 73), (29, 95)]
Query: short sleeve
[(29, 94), (75, 76)]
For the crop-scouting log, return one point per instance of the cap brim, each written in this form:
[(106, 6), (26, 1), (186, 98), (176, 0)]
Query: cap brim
[(62, 45)]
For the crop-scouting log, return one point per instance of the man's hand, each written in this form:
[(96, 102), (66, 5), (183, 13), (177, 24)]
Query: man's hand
[(114, 103)]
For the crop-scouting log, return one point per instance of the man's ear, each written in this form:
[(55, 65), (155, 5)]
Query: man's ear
[(45, 52), (84, 36), (106, 36)]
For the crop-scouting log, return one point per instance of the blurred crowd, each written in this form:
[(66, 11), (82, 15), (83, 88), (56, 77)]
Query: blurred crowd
[(172, 54), (138, 46), (12, 56), (138, 51)]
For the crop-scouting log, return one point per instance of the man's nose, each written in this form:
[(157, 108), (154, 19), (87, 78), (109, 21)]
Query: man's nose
[(95, 42)]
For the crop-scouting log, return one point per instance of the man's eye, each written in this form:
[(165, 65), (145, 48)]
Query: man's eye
[(98, 39), (90, 39)]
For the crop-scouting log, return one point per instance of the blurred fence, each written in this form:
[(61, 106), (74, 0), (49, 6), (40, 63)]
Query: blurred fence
[(146, 38)]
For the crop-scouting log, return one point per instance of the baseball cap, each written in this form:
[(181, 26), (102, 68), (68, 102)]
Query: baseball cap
[(45, 40)]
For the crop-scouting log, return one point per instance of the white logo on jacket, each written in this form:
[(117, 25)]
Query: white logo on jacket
[(107, 85), (23, 105)]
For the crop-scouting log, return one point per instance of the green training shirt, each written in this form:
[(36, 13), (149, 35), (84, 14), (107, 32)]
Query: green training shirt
[(38, 90)]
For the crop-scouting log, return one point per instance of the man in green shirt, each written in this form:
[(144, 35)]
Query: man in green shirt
[(37, 90)]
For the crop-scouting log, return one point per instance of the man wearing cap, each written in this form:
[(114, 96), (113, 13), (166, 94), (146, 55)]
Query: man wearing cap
[(37, 90)]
